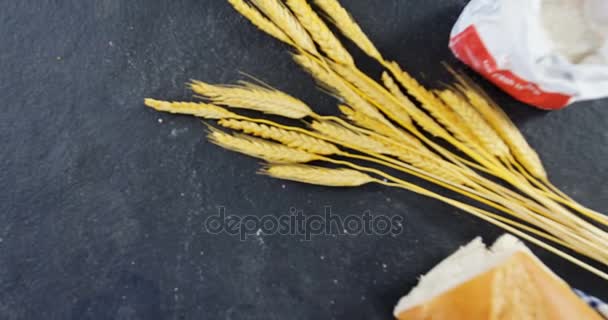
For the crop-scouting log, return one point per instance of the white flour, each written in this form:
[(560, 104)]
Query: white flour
[(578, 29)]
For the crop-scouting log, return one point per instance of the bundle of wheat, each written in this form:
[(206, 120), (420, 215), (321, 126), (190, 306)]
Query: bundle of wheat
[(384, 126)]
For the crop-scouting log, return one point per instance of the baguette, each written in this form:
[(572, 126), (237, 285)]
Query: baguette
[(503, 282)]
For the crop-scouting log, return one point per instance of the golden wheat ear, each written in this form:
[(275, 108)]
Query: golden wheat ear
[(337, 86), (319, 31), (197, 109), (289, 138), (258, 148), (278, 13), (257, 19), (253, 97), (347, 25), (482, 130), (318, 175), (502, 124)]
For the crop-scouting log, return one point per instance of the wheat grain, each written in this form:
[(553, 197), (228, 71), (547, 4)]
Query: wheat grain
[(257, 19), (347, 25), (284, 19), (253, 97), (318, 175), (333, 83), (258, 148), (289, 138), (197, 109), (348, 137), (478, 125), (319, 31), (374, 92)]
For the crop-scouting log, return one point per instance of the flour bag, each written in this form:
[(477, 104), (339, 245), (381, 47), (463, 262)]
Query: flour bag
[(546, 53)]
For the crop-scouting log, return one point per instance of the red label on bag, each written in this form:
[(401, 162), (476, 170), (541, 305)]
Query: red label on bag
[(470, 49)]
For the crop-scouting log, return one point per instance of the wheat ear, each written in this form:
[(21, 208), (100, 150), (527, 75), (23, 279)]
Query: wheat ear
[(289, 138), (253, 97), (374, 92), (284, 19), (319, 32), (503, 125), (421, 118), (258, 148), (330, 81), (257, 19), (414, 155), (347, 25), (197, 109), (364, 121), (476, 122), (349, 137), (318, 175), (519, 147), (442, 113), (425, 162)]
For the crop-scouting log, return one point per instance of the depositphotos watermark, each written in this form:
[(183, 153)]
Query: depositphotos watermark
[(296, 223)]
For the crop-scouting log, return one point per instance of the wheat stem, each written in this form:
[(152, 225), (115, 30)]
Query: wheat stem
[(467, 193), (475, 212)]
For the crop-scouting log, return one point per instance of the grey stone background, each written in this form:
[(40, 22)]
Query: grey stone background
[(103, 201)]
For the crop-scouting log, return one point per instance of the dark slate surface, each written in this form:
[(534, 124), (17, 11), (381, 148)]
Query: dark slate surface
[(103, 202)]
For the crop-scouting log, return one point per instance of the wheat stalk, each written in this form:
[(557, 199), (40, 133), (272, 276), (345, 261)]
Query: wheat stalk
[(377, 140), (352, 178), (253, 97), (257, 19), (334, 84), (319, 31), (289, 138), (347, 25), (519, 147), (197, 109), (478, 125), (258, 148), (284, 19), (318, 175)]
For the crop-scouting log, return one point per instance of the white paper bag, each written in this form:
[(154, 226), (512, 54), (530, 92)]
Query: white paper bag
[(509, 43)]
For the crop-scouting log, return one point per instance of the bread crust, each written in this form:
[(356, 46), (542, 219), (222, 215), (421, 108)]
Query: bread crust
[(519, 288)]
